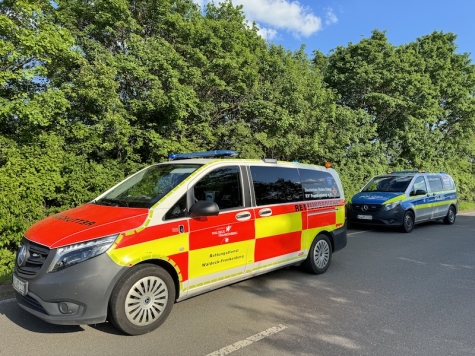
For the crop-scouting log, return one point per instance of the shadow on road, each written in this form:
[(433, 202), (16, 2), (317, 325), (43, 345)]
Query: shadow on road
[(12, 311)]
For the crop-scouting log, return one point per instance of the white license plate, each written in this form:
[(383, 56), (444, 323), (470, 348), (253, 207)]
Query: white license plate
[(20, 286), (365, 217)]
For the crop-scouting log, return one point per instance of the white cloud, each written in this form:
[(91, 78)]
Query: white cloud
[(330, 17), (274, 15), (267, 33), (282, 14)]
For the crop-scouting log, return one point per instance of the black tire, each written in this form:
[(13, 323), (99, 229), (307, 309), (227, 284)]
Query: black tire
[(450, 218), (408, 222), (142, 299), (320, 255)]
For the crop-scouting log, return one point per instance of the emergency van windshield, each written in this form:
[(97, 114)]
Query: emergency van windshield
[(147, 187), (388, 184)]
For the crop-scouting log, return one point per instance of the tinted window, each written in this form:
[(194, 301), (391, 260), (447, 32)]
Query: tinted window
[(276, 185), (318, 185), (435, 183), (388, 184), (223, 186), (447, 182)]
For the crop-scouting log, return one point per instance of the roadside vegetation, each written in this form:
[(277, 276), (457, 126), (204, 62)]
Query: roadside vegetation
[(91, 91)]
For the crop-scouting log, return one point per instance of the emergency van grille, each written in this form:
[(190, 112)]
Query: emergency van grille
[(366, 208), (35, 258)]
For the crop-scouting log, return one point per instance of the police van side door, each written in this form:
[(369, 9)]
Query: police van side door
[(438, 195), (421, 199)]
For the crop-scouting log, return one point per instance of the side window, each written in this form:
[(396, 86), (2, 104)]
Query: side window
[(223, 186), (318, 185), (420, 184), (178, 210), (447, 182), (435, 183), (276, 185)]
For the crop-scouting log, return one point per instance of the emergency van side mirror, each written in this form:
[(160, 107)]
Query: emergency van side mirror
[(204, 208)]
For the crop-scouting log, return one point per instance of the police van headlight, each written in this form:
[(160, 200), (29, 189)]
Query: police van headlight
[(71, 255), (391, 206)]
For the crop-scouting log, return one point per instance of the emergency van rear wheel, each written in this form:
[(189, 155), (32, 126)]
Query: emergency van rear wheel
[(319, 256), (142, 299), (408, 222), (450, 218)]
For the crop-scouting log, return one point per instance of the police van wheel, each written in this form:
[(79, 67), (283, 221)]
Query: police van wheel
[(142, 299), (408, 222), (319, 256), (450, 218)]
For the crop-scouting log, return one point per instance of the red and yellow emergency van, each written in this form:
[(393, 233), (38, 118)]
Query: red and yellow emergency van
[(174, 230)]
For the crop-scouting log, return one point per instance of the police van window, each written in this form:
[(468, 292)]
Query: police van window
[(222, 186), (390, 183), (435, 183), (178, 210), (276, 185), (420, 184), (447, 182), (318, 185)]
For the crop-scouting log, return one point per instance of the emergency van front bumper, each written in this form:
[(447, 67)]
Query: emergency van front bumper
[(393, 217), (76, 295)]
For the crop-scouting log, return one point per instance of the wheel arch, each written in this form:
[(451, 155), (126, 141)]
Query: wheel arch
[(412, 210), (455, 205), (167, 266), (328, 234)]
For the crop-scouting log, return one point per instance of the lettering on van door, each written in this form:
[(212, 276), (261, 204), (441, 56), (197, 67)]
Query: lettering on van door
[(223, 257)]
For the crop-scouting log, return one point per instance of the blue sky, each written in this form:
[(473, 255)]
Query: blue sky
[(325, 24)]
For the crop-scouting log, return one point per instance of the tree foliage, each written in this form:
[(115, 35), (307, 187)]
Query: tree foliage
[(90, 91)]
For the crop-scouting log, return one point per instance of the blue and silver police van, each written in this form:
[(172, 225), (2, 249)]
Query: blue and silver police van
[(403, 199)]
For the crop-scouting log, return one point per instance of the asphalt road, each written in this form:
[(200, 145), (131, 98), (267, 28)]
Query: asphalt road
[(387, 293)]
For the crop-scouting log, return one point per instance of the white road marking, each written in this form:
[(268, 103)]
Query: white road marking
[(248, 341), (359, 232), (7, 300)]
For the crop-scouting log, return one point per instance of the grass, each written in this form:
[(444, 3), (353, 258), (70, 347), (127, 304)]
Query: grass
[(6, 277), (6, 289), (466, 205)]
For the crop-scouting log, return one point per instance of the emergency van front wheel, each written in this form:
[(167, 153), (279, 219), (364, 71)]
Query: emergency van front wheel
[(408, 222), (142, 299), (319, 256)]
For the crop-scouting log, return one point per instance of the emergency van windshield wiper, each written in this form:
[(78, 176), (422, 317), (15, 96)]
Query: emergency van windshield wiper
[(111, 202)]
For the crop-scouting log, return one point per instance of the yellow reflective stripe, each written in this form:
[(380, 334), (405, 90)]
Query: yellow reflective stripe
[(392, 200), (444, 202), (423, 206), (309, 235), (215, 259), (278, 225), (159, 248), (340, 215), (444, 191)]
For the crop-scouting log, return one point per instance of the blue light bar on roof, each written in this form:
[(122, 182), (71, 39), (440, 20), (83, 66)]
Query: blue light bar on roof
[(205, 154)]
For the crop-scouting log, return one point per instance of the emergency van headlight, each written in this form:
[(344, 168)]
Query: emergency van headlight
[(68, 256), (391, 206)]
